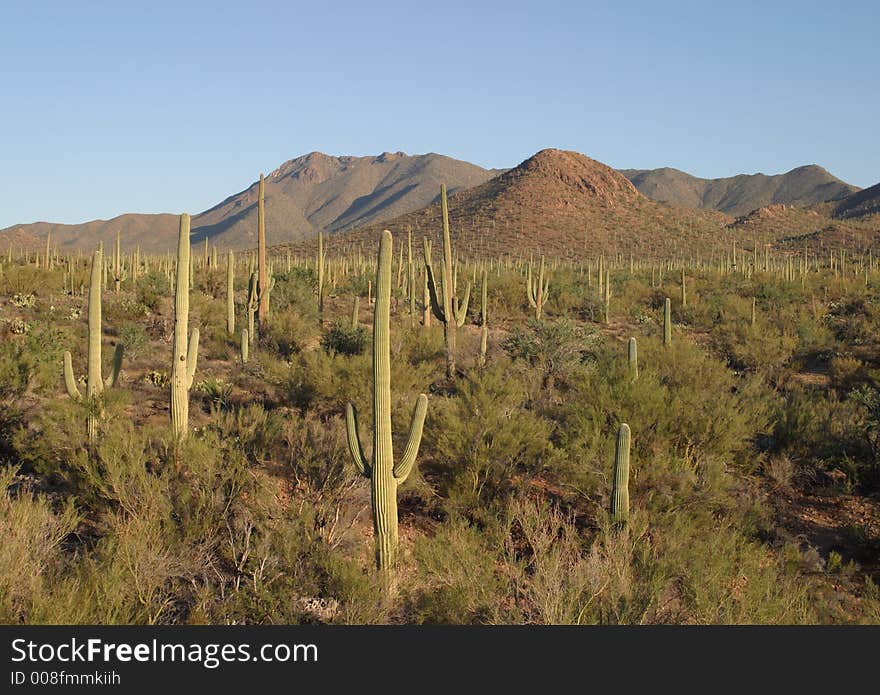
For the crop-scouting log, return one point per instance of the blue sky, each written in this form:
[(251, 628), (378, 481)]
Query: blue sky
[(111, 107)]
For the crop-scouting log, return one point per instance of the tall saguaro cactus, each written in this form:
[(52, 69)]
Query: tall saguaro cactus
[(319, 267), (451, 312), (620, 487), (230, 294), (183, 366), (94, 382), (538, 292), (384, 474), (484, 316), (263, 280)]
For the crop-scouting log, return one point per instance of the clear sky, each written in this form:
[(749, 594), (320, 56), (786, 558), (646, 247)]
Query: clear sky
[(111, 107)]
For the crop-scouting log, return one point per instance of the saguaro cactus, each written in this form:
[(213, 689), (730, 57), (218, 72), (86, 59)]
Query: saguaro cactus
[(538, 292), (245, 346), (319, 267), (252, 303), (451, 312), (667, 322), (230, 294), (484, 317), (263, 280), (607, 297), (620, 487), (384, 474), (633, 359), (117, 266), (94, 382), (184, 356), (684, 297)]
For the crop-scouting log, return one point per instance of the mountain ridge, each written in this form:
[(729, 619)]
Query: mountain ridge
[(740, 194)]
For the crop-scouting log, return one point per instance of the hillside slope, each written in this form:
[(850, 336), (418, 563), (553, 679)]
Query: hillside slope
[(557, 203), (303, 195), (739, 195)]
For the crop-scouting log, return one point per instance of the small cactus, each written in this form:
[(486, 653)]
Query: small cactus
[(633, 359), (684, 297), (620, 487), (245, 346), (667, 322)]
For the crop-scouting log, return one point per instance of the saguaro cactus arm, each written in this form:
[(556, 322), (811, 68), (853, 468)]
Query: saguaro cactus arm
[(435, 301), (116, 366), (69, 379), (403, 467), (192, 356), (354, 442), (461, 306)]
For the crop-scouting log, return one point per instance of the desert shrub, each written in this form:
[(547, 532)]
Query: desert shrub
[(287, 331), (29, 280), (480, 442), (754, 347), (345, 339), (683, 401), (820, 432), (118, 309), (217, 392), (152, 288), (134, 339), (557, 350), (460, 586), (554, 579), (31, 556)]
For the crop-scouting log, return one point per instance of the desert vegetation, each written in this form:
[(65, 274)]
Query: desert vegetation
[(345, 436)]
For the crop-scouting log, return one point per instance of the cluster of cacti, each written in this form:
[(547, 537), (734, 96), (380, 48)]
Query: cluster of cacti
[(539, 291), (95, 382), (448, 309), (385, 475), (185, 352)]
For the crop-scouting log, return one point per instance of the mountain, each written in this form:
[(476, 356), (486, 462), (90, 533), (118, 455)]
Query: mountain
[(791, 228), (556, 203), (312, 192), (153, 233), (861, 204), (739, 195)]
